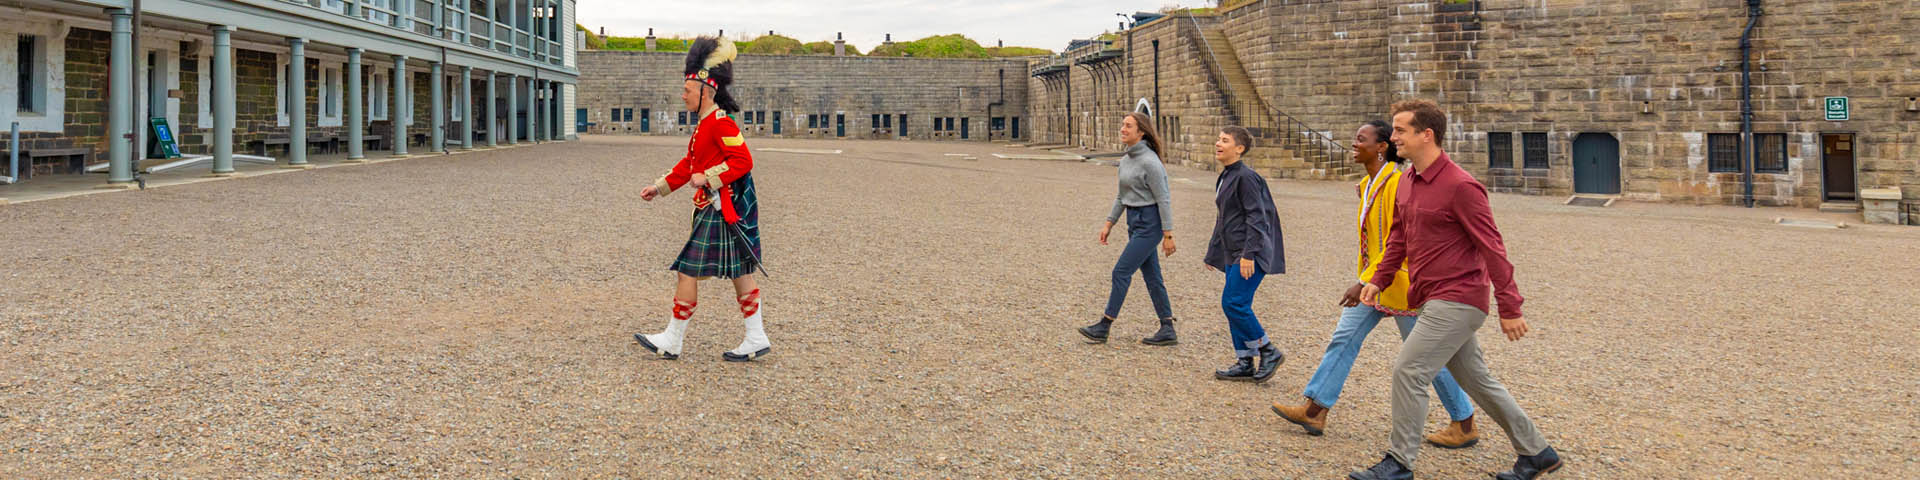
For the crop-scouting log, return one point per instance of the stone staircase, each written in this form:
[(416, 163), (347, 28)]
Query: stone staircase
[(1288, 148)]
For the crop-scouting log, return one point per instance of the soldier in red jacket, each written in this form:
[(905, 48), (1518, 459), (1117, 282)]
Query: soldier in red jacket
[(725, 241)]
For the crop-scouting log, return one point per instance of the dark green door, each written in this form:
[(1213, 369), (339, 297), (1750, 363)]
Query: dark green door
[(1596, 164)]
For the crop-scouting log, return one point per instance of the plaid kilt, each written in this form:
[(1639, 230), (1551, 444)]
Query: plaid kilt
[(712, 249)]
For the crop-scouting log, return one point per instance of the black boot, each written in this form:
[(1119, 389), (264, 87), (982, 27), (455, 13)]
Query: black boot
[(1532, 467), (1241, 371), (1097, 333), (1387, 469), (1163, 337), (1270, 360)]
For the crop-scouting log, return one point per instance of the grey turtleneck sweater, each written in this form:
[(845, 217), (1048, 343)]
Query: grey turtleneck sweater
[(1143, 182)]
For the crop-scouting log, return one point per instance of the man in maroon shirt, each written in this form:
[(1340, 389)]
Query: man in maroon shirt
[(1445, 232)]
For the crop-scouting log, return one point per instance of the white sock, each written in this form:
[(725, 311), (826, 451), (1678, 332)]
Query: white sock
[(756, 338), (669, 340)]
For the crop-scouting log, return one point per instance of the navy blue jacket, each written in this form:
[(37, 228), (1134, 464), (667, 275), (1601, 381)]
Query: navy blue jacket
[(1248, 226)]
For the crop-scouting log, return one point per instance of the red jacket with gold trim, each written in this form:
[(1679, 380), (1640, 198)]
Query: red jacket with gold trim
[(718, 151)]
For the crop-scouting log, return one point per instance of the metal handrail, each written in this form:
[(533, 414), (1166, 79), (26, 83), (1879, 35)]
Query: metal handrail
[(1251, 103)]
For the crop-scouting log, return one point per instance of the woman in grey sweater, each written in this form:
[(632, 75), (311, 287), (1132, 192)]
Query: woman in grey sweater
[(1147, 202)]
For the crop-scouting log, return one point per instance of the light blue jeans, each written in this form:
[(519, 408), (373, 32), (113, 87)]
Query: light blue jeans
[(1355, 323)]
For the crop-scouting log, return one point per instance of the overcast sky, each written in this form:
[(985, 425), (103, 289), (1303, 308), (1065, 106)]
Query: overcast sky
[(1048, 24)]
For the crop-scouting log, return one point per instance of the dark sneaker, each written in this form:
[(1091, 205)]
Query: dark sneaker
[(1163, 337), (1241, 371), (1270, 360), (1097, 333), (1530, 467), (1387, 469)]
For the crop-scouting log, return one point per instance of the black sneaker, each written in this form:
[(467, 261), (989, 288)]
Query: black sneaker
[(1270, 360), (1163, 337), (1241, 371), (1387, 469), (1097, 333), (1530, 467)]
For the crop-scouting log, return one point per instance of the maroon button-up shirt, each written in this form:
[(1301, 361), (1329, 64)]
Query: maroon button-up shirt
[(1443, 227)]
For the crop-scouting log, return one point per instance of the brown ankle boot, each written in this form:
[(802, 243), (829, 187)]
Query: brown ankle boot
[(1308, 416), (1459, 434)]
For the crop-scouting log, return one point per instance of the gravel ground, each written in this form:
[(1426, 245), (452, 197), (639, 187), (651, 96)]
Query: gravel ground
[(470, 317)]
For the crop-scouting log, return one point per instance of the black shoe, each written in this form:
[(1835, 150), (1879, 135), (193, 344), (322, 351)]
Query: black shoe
[(1163, 337), (1270, 360), (649, 346), (1387, 469), (731, 357), (1097, 333), (1241, 371), (1532, 467)]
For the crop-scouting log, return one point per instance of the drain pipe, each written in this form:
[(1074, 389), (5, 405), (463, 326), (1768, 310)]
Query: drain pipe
[(1746, 100)]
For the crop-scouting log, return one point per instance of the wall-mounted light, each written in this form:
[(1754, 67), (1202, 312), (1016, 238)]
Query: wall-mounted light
[(1646, 107), (1913, 104)]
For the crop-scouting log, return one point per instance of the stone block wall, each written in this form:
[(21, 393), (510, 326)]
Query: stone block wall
[(973, 91), (1658, 78)]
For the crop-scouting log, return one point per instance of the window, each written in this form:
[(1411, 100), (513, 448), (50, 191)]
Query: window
[(332, 94), (31, 99), (999, 123), (812, 122), (1499, 150), (614, 116), (1772, 154), (626, 115), (760, 117), (1723, 152), (875, 123), (683, 119), (1536, 149), (886, 121), (285, 89), (377, 102)]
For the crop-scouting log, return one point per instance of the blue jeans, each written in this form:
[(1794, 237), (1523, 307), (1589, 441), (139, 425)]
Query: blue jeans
[(1143, 237), (1236, 300), (1355, 323)]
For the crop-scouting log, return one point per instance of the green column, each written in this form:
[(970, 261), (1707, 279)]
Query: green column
[(467, 118), (437, 107), (297, 102), (493, 100), (223, 98), (120, 98), (354, 121), (401, 109)]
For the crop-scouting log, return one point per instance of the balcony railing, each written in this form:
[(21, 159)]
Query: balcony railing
[(452, 21)]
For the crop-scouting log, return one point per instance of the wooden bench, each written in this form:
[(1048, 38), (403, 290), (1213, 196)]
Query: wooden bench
[(260, 146), (328, 143), (76, 160), (373, 142)]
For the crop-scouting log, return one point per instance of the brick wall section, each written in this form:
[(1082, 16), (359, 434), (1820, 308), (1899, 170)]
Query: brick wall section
[(191, 139), (797, 86), (86, 107), (1546, 70)]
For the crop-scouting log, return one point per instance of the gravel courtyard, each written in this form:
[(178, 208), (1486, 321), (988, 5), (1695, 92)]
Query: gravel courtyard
[(470, 316)]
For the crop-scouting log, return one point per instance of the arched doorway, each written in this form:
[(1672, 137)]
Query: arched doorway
[(1596, 164)]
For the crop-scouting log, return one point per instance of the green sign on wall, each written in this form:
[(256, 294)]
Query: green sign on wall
[(1838, 110)]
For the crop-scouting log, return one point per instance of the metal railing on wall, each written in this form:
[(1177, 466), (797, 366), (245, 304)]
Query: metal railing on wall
[(1250, 112)]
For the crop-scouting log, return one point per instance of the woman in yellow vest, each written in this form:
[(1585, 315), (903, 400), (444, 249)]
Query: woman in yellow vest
[(1384, 170)]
